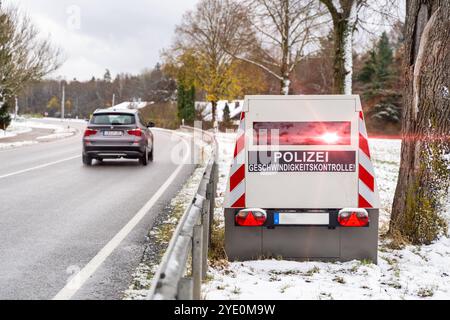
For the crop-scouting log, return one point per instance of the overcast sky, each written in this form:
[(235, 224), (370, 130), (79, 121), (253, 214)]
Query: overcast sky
[(121, 35), (124, 36)]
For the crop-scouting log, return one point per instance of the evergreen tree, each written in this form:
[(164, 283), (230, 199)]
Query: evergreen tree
[(189, 109), (385, 59), (5, 118), (226, 120), (368, 70), (377, 76), (107, 76), (377, 70), (181, 100)]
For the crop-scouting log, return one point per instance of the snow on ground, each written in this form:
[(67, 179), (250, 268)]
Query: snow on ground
[(25, 125), (13, 130), (206, 107), (60, 129), (58, 135), (65, 121), (59, 132), (12, 145), (226, 143), (411, 273), (131, 105)]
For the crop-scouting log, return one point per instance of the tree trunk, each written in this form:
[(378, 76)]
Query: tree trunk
[(344, 15), (285, 60), (424, 176), (213, 112), (285, 85), (339, 72)]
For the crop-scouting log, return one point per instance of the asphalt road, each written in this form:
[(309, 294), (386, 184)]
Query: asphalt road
[(56, 215)]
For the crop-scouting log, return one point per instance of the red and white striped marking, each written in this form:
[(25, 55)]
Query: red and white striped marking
[(367, 194), (237, 174)]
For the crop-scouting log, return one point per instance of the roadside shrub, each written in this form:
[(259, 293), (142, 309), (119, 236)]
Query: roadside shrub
[(5, 118), (217, 254), (163, 114)]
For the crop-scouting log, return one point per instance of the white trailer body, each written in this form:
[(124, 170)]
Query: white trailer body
[(302, 184)]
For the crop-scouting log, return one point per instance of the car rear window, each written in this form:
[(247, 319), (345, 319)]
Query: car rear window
[(301, 133), (116, 119)]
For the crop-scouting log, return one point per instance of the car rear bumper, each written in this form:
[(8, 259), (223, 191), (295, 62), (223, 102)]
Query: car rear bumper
[(113, 152)]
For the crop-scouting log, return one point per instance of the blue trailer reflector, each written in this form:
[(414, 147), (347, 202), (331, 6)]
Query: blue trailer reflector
[(276, 218)]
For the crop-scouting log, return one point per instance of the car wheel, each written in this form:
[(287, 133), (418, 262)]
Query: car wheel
[(150, 155), (144, 158), (87, 161)]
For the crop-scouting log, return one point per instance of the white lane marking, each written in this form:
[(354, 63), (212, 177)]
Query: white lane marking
[(77, 281), (53, 163), (38, 167)]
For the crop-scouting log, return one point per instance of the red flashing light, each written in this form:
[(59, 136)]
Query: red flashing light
[(358, 218), (251, 218), (330, 138), (90, 132), (136, 132)]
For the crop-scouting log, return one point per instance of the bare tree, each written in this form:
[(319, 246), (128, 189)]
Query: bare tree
[(424, 176), (284, 31), (24, 56), (216, 31), (347, 17)]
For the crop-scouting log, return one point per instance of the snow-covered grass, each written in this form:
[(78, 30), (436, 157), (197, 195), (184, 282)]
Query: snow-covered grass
[(411, 273)]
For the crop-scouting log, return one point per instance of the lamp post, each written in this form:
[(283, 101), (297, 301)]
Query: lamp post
[(16, 109), (63, 100)]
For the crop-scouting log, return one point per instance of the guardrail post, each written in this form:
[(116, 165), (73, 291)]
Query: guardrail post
[(206, 233), (185, 289), (197, 261), (212, 189)]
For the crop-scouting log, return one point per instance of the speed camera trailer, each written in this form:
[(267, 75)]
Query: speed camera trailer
[(302, 184)]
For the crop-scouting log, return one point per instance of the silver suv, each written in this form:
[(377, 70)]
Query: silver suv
[(114, 134)]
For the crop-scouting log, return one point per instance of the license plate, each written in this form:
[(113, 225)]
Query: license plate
[(281, 218), (113, 133)]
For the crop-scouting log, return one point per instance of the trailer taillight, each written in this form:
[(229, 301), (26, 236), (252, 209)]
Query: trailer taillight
[(353, 218), (251, 218)]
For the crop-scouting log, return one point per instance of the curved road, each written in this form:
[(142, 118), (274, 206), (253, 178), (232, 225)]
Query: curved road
[(56, 216)]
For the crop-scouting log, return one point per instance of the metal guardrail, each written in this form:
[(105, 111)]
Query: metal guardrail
[(176, 278)]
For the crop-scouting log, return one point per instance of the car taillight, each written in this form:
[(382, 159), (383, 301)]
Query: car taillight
[(136, 132), (90, 132), (353, 218), (251, 218)]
